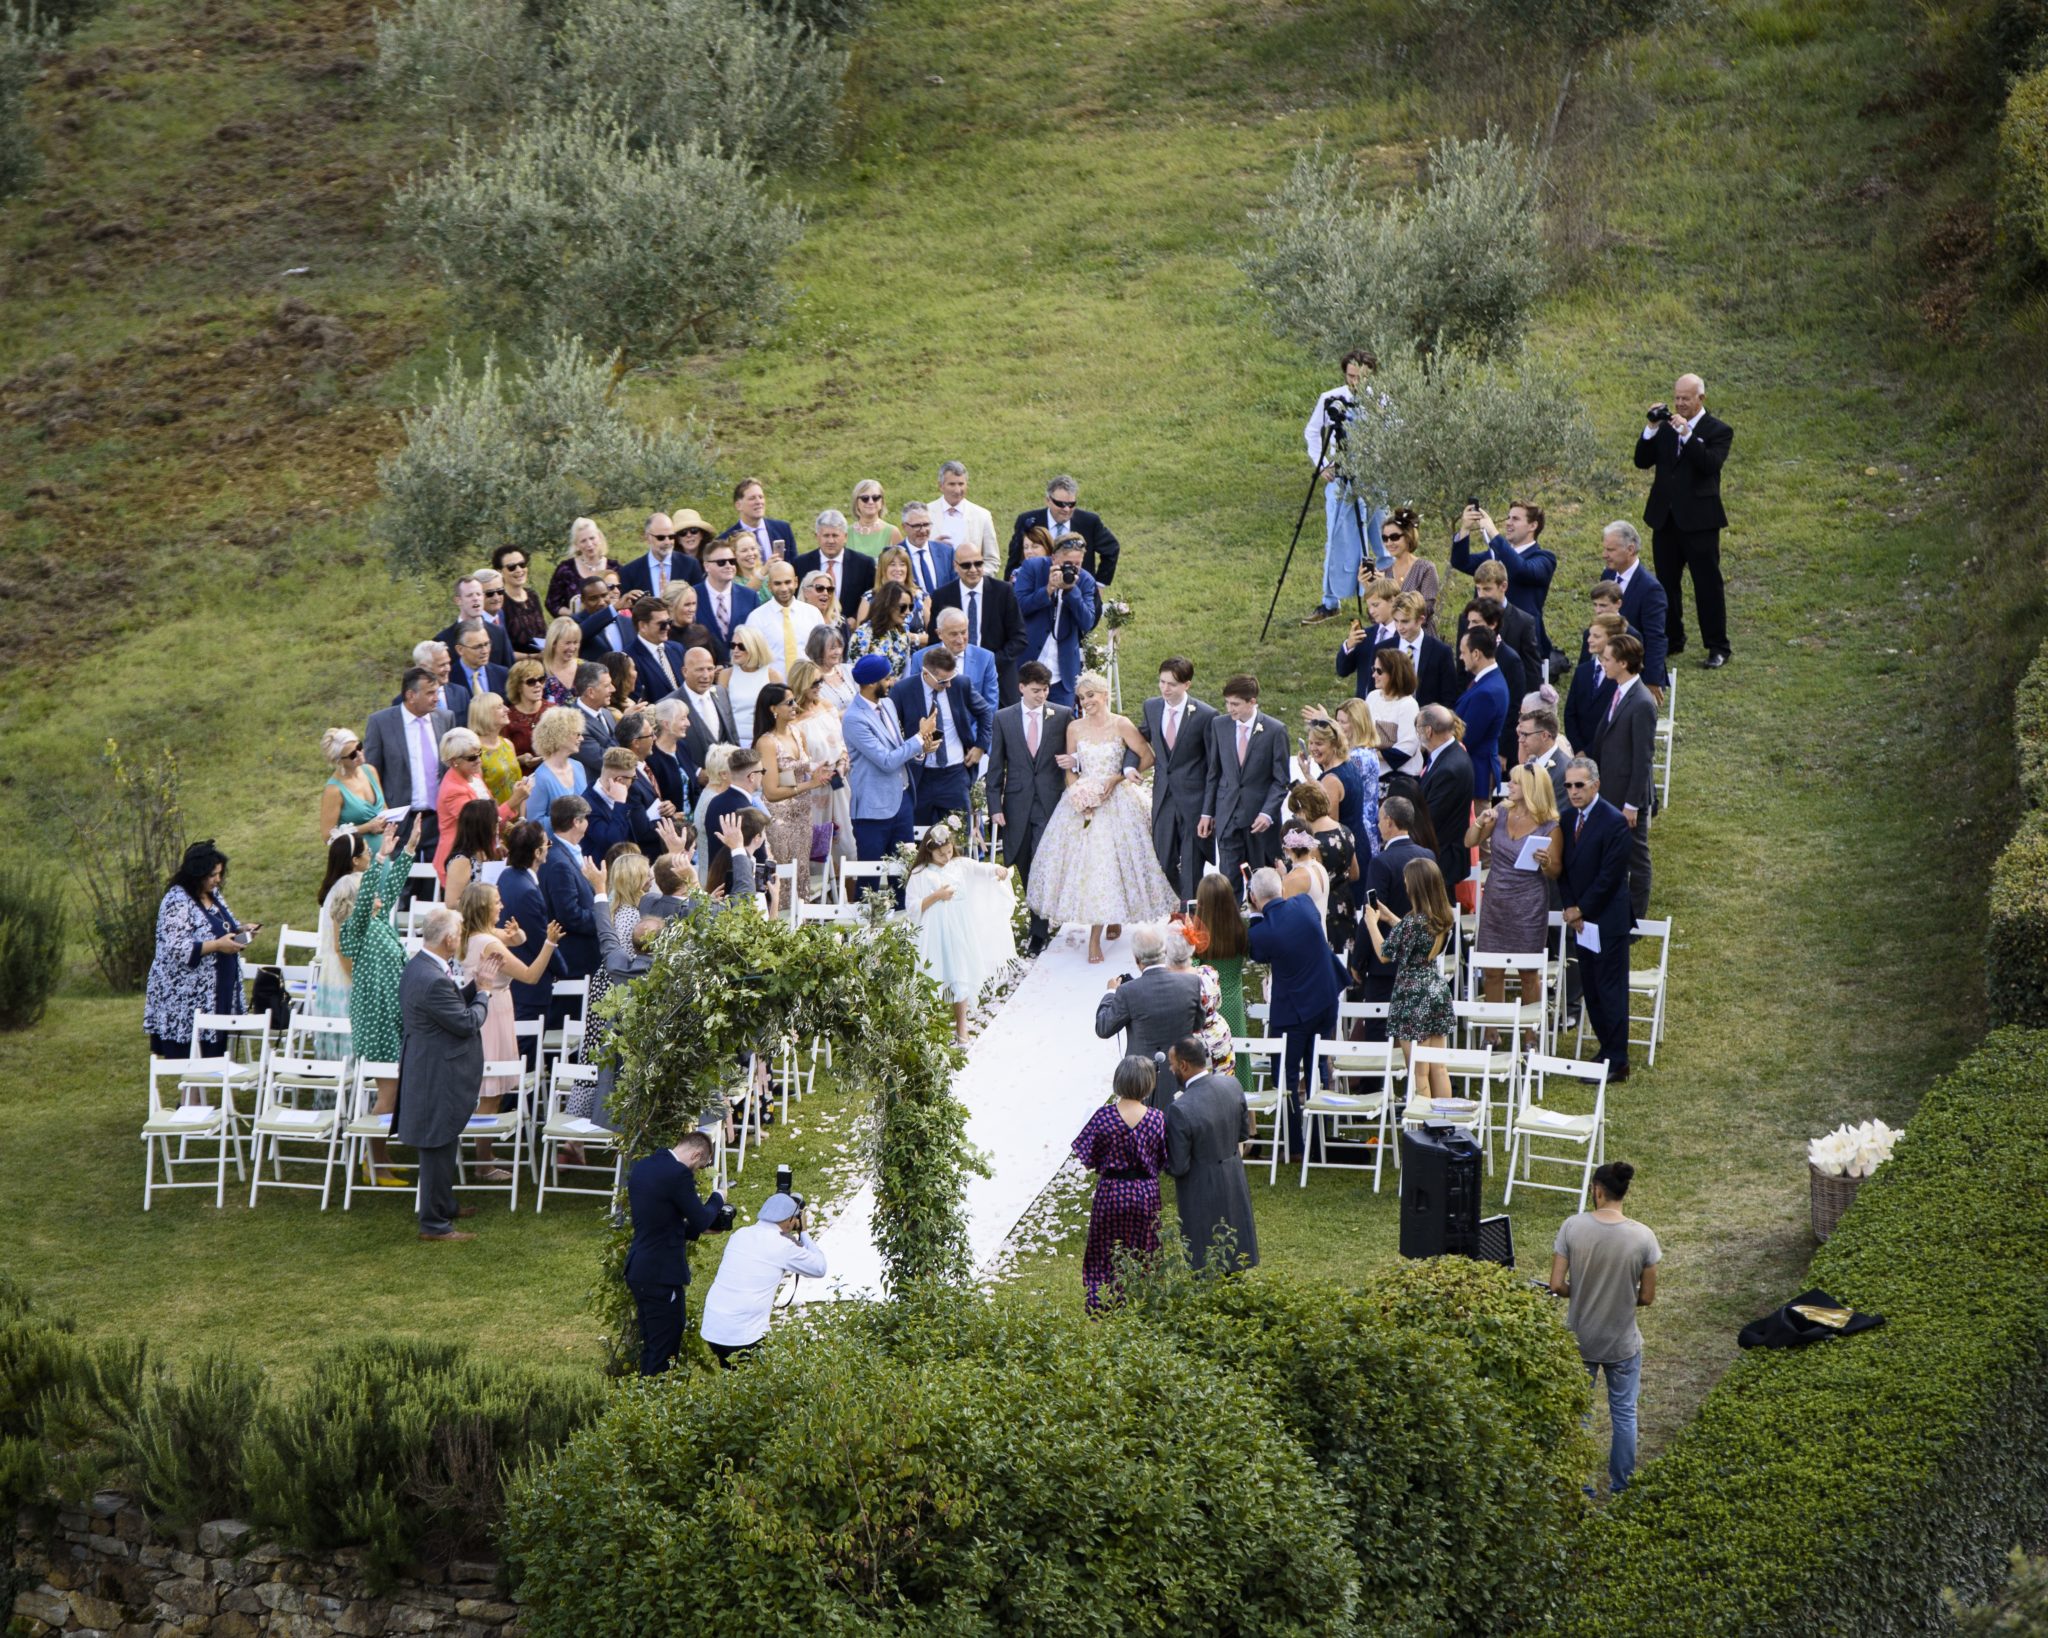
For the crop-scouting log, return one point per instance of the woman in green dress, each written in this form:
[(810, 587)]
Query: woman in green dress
[(377, 962), (869, 531), (352, 796), (1216, 931)]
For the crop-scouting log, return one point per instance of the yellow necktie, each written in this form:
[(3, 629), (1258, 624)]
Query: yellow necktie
[(789, 649)]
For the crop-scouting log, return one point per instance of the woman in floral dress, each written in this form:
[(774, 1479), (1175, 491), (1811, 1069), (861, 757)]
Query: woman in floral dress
[(1419, 1012), (1124, 1144)]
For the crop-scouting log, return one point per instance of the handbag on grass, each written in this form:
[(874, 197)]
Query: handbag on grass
[(1812, 1316)]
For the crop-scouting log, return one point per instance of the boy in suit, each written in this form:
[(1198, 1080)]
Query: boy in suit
[(1248, 755), (1178, 727), (1025, 780), (1624, 747)]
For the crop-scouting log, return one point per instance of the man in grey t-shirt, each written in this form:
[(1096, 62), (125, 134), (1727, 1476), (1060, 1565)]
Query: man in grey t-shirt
[(1607, 1265)]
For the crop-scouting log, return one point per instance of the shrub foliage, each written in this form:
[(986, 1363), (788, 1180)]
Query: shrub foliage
[(2016, 942), (501, 457), (570, 228), (24, 38), (32, 929), (128, 839), (460, 60), (2023, 155)]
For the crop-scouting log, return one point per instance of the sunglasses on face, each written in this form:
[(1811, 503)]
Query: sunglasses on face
[(515, 568), (1578, 784)]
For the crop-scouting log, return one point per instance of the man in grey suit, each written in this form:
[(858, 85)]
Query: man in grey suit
[(441, 1066), (1248, 779), (709, 709), (403, 743), (1177, 726), (1025, 781), (1536, 746), (1154, 1010), (1206, 1130), (1624, 745), (593, 694)]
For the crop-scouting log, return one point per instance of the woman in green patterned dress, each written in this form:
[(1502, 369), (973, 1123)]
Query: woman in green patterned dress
[(377, 960)]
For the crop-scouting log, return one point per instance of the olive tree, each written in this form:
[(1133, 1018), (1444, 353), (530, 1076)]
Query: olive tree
[(24, 38), (460, 60), (504, 457), (570, 227), (1457, 262)]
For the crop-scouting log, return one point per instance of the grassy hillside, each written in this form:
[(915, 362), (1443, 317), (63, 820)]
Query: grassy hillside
[(1026, 259)]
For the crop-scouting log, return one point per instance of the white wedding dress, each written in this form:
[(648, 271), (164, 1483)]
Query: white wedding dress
[(1095, 864)]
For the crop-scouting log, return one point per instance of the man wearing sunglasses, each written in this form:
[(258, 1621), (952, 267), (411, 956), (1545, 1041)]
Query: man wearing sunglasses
[(994, 621), (1059, 517), (1597, 917), (723, 606), (663, 564)]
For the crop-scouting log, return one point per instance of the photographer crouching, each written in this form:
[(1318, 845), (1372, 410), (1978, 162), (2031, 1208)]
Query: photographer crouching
[(756, 1257), (667, 1216)]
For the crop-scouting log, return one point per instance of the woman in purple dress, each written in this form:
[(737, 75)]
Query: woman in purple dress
[(1125, 1142)]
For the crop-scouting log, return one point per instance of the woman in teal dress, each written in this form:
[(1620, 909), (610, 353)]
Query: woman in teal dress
[(1215, 930), (377, 963), (352, 796)]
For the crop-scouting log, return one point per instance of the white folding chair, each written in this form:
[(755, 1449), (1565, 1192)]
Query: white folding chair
[(302, 1102), (1538, 1119), (363, 1127), (1359, 1093), (1531, 1012), (1264, 1095), (298, 965), (1649, 984), (1354, 1016), (566, 1042), (788, 899), (859, 877), (1667, 740), (506, 1125), (532, 1033), (1474, 1114), (1505, 1020), (571, 1083), (308, 1035), (838, 915), (171, 1117), (247, 1041)]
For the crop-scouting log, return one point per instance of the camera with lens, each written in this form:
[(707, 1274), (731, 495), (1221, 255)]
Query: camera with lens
[(785, 1183), (728, 1213), (1067, 572), (1659, 413)]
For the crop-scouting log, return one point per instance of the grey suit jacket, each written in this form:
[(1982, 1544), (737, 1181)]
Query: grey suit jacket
[(1555, 769), (384, 748), (1154, 1010), (1203, 1129), (1260, 786), (1022, 788), (1625, 747), (441, 1066), (1184, 778), (598, 738), (698, 738)]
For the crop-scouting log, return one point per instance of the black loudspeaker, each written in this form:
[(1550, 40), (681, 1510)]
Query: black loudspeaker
[(1439, 1192)]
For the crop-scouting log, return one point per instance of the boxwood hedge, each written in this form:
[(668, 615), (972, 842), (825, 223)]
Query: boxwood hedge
[(2016, 939), (1836, 1489)]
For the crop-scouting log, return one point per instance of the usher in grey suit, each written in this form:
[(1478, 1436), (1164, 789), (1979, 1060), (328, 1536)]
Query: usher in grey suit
[(1155, 1009), (1025, 789), (440, 1074), (1183, 789), (1204, 1127), (1243, 793)]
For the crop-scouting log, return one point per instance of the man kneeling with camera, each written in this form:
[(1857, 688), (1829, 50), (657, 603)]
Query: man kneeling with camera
[(756, 1258)]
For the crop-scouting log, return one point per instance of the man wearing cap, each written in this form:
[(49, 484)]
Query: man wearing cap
[(879, 755), (756, 1257)]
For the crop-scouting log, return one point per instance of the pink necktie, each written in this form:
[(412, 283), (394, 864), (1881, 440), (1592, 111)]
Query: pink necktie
[(1031, 733), (1173, 728), (1244, 739)]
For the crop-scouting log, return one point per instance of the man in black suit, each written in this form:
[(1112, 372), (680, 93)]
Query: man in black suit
[(1643, 602), (772, 535), (1687, 447), (994, 621), (1060, 516), (853, 573), (474, 671), (1439, 679), (469, 605), (441, 1065), (939, 778), (1447, 788), (1624, 748), (1518, 628), (1248, 756), (661, 1191), (1386, 883), (1178, 728), (1207, 1127), (1025, 780), (1594, 888)]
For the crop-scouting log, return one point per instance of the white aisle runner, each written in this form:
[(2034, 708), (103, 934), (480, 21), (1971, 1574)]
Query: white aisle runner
[(1033, 1077)]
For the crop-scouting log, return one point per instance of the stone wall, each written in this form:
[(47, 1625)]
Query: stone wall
[(105, 1571)]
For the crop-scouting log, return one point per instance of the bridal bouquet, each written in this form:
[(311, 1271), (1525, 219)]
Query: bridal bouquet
[(1089, 795), (1853, 1151)]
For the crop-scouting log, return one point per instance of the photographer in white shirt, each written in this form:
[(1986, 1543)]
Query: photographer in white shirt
[(756, 1257)]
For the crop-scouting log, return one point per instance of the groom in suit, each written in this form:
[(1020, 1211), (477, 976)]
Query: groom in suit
[(441, 1066), (1177, 726), (1248, 779), (1025, 781)]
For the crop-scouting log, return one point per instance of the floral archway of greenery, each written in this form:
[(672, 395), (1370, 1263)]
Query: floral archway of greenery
[(727, 981)]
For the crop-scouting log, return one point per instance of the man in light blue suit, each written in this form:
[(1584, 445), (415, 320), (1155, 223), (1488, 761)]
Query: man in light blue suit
[(1059, 602), (879, 755)]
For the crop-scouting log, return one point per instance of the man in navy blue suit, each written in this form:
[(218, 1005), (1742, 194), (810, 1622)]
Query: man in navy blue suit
[(1643, 602), (723, 607), (570, 897), (931, 561), (1594, 888), (1302, 985), (1387, 883), (1517, 547), (1059, 602), (772, 535), (663, 564), (1483, 707), (473, 668), (853, 573), (520, 900), (939, 778), (1438, 677), (657, 662), (977, 665)]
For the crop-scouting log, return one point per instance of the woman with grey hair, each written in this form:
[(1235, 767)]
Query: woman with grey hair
[(462, 753), (1124, 1144)]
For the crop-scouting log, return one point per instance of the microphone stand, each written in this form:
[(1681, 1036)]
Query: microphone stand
[(1333, 432)]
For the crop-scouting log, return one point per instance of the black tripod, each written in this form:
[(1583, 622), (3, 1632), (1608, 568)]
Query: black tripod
[(1336, 411)]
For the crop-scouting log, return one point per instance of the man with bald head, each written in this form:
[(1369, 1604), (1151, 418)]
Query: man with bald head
[(1687, 447), (783, 622), (662, 565)]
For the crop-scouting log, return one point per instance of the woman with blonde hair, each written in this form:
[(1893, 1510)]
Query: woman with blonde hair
[(482, 937), (1419, 1012), (556, 739), (559, 657), (816, 722), (524, 703), (352, 797), (627, 878), (489, 716), (1514, 911), (750, 572), (869, 531), (589, 557), (751, 672)]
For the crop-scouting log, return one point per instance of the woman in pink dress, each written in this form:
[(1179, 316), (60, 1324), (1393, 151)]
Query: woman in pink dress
[(482, 936)]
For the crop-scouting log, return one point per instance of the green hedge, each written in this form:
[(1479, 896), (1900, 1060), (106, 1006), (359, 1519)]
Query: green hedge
[(2016, 941), (2030, 729), (2023, 160), (1837, 1489)]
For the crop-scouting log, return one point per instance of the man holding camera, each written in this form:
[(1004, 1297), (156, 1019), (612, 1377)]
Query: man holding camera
[(1058, 598), (1343, 511), (661, 1190), (1686, 447), (742, 1298)]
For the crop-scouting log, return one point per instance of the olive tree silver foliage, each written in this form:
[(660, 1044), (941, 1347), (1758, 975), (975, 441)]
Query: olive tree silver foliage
[(494, 456), (1439, 428), (756, 84), (460, 60), (571, 227), (24, 40), (1458, 261)]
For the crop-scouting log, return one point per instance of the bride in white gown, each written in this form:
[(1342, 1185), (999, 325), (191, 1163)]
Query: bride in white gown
[(1095, 863)]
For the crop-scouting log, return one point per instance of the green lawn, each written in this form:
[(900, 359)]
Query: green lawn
[(1027, 260)]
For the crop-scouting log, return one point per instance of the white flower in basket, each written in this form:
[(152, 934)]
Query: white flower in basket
[(1852, 1151)]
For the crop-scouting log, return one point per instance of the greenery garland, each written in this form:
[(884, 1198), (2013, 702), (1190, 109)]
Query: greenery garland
[(728, 981)]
